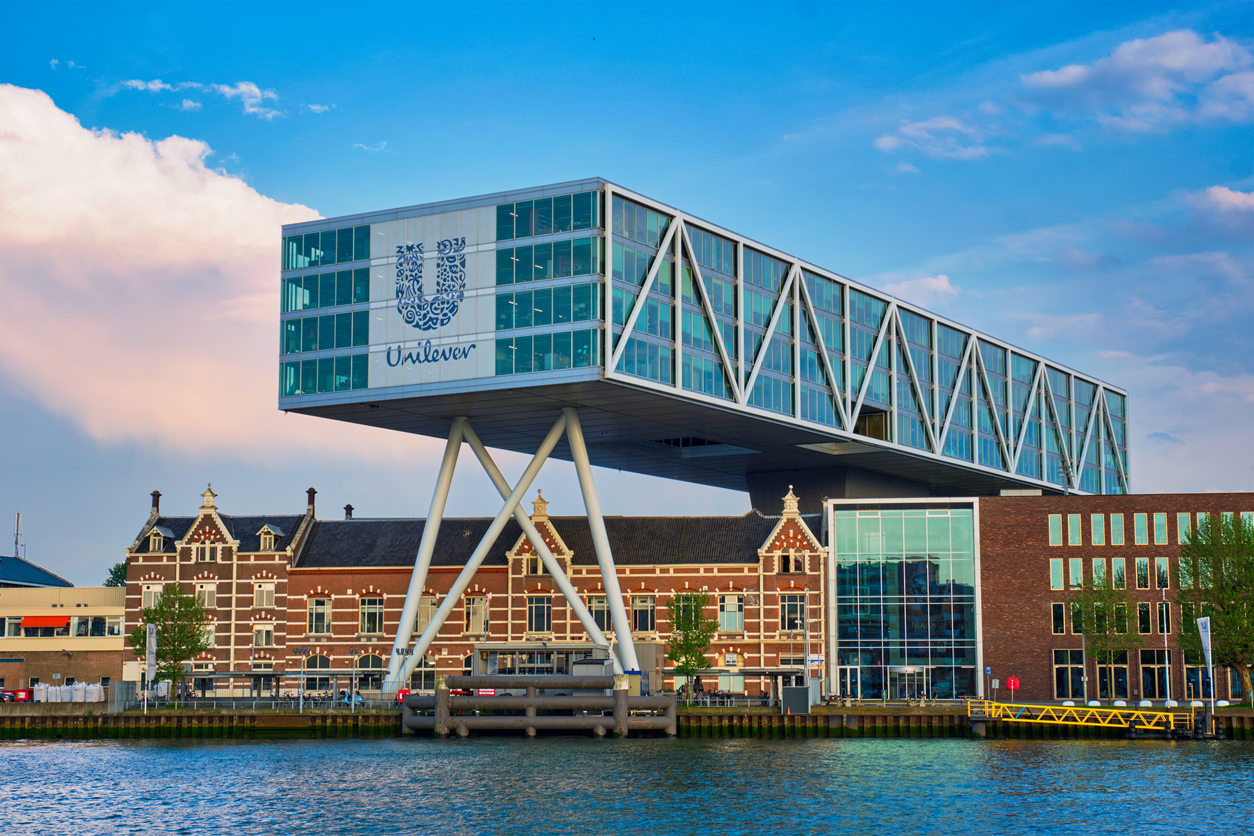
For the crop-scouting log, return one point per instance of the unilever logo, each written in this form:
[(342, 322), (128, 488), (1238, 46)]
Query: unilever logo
[(426, 313)]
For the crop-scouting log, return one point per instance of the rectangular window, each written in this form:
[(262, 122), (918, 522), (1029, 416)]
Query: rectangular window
[(1184, 525), (1119, 573), (1160, 529), (1077, 572), (207, 595), (1069, 675), (476, 615), (792, 612), (600, 610), (263, 635), (1099, 571), (1142, 573), (151, 592), (370, 615), (731, 612), (539, 614), (1116, 529), (1055, 573), (643, 614), (1140, 525), (1055, 529), (1099, 529), (1077, 619), (1161, 572), (1164, 617), (1075, 534), (426, 611), (319, 616), (206, 553), (1143, 620), (1060, 619), (209, 632), (1118, 665), (263, 596)]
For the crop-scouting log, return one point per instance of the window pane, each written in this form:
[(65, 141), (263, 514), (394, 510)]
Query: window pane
[(344, 244), (544, 216), (542, 307), (326, 290), (505, 266), (1141, 525), (561, 304), (1055, 529), (343, 373), (581, 348), (309, 377), (343, 330), (505, 222), (561, 350), (522, 309), (542, 353), (361, 285), (581, 257), (582, 210), (1055, 573), (361, 328), (328, 247), (561, 259), (361, 243), (522, 355), (1116, 529), (523, 219), (524, 266), (1099, 529), (542, 258), (581, 302), (504, 356), (1075, 536), (361, 374), (326, 374), (1160, 529), (504, 312), (326, 332)]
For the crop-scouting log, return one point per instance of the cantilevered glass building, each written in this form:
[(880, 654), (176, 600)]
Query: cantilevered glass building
[(691, 352)]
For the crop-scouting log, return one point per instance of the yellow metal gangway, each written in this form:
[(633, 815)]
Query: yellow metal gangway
[(1140, 719)]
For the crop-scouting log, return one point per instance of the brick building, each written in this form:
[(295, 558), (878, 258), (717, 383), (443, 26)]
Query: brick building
[(294, 596), (1034, 551), (60, 635)]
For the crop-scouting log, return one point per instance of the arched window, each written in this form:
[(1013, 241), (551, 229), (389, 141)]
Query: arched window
[(370, 673), (317, 683)]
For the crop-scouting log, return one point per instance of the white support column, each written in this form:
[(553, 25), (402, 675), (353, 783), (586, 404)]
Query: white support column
[(596, 524), (489, 539), (542, 548), (426, 546)]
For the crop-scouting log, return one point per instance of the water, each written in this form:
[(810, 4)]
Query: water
[(611, 786)]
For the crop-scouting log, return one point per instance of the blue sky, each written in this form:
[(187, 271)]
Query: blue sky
[(1073, 178)]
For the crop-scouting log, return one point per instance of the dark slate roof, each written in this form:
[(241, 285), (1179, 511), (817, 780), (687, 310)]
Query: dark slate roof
[(16, 571), (635, 541), (244, 529)]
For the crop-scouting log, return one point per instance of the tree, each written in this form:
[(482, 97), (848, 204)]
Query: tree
[(117, 575), (181, 632), (1099, 609), (691, 632), (1215, 577)]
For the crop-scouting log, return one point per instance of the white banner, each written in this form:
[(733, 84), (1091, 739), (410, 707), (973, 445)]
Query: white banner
[(152, 653), (1203, 629)]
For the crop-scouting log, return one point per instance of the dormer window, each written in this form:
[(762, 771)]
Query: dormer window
[(267, 541), (206, 553), (156, 542), (791, 563)]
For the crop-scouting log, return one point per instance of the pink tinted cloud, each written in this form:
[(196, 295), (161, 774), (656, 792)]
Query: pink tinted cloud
[(140, 290)]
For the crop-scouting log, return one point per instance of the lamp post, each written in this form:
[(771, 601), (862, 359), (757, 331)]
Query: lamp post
[(1164, 621), (304, 653), (352, 684)]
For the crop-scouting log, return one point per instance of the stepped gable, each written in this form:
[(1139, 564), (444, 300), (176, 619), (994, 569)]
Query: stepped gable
[(394, 542)]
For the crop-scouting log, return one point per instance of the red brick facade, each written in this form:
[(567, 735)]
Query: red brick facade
[(1016, 593)]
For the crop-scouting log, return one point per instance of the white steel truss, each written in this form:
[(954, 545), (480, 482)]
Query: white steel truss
[(405, 658), (1032, 442)]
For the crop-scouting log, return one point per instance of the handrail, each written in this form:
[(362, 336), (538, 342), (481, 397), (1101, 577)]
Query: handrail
[(1076, 715)]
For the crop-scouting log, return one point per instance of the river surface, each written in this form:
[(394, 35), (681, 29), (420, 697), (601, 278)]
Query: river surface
[(656, 786)]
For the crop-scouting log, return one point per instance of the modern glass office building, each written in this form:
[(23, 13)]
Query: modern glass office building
[(906, 599), (691, 351)]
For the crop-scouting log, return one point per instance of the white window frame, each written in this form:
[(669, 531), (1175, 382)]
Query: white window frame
[(263, 596), (207, 595), (149, 594), (263, 635)]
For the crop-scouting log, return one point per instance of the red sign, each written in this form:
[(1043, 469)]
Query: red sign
[(487, 692), (1012, 682)]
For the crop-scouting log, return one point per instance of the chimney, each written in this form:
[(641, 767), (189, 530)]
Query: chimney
[(311, 493), (156, 502), (348, 511)]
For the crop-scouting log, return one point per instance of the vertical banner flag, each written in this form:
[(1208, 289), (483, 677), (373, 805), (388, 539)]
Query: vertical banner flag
[(1203, 630), (152, 653)]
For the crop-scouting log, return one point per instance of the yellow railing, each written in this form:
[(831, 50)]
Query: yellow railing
[(1077, 715)]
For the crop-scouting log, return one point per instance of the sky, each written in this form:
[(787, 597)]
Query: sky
[(1074, 178)]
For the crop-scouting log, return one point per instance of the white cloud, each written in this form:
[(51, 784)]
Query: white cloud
[(1225, 199), (53, 63), (141, 292), (249, 94), (927, 291), (373, 149), (1074, 327), (941, 137), (190, 104), (1151, 84), (317, 108), (906, 168)]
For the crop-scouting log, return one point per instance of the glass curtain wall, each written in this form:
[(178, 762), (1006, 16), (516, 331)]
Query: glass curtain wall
[(905, 594)]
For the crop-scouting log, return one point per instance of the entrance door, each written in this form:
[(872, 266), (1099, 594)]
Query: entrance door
[(847, 683), (906, 682)]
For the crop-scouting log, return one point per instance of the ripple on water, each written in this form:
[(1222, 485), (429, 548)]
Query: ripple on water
[(257, 788)]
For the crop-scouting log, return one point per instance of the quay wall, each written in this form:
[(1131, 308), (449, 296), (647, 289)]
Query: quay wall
[(849, 724)]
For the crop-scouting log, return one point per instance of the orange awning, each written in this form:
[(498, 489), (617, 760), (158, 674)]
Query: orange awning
[(46, 621)]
